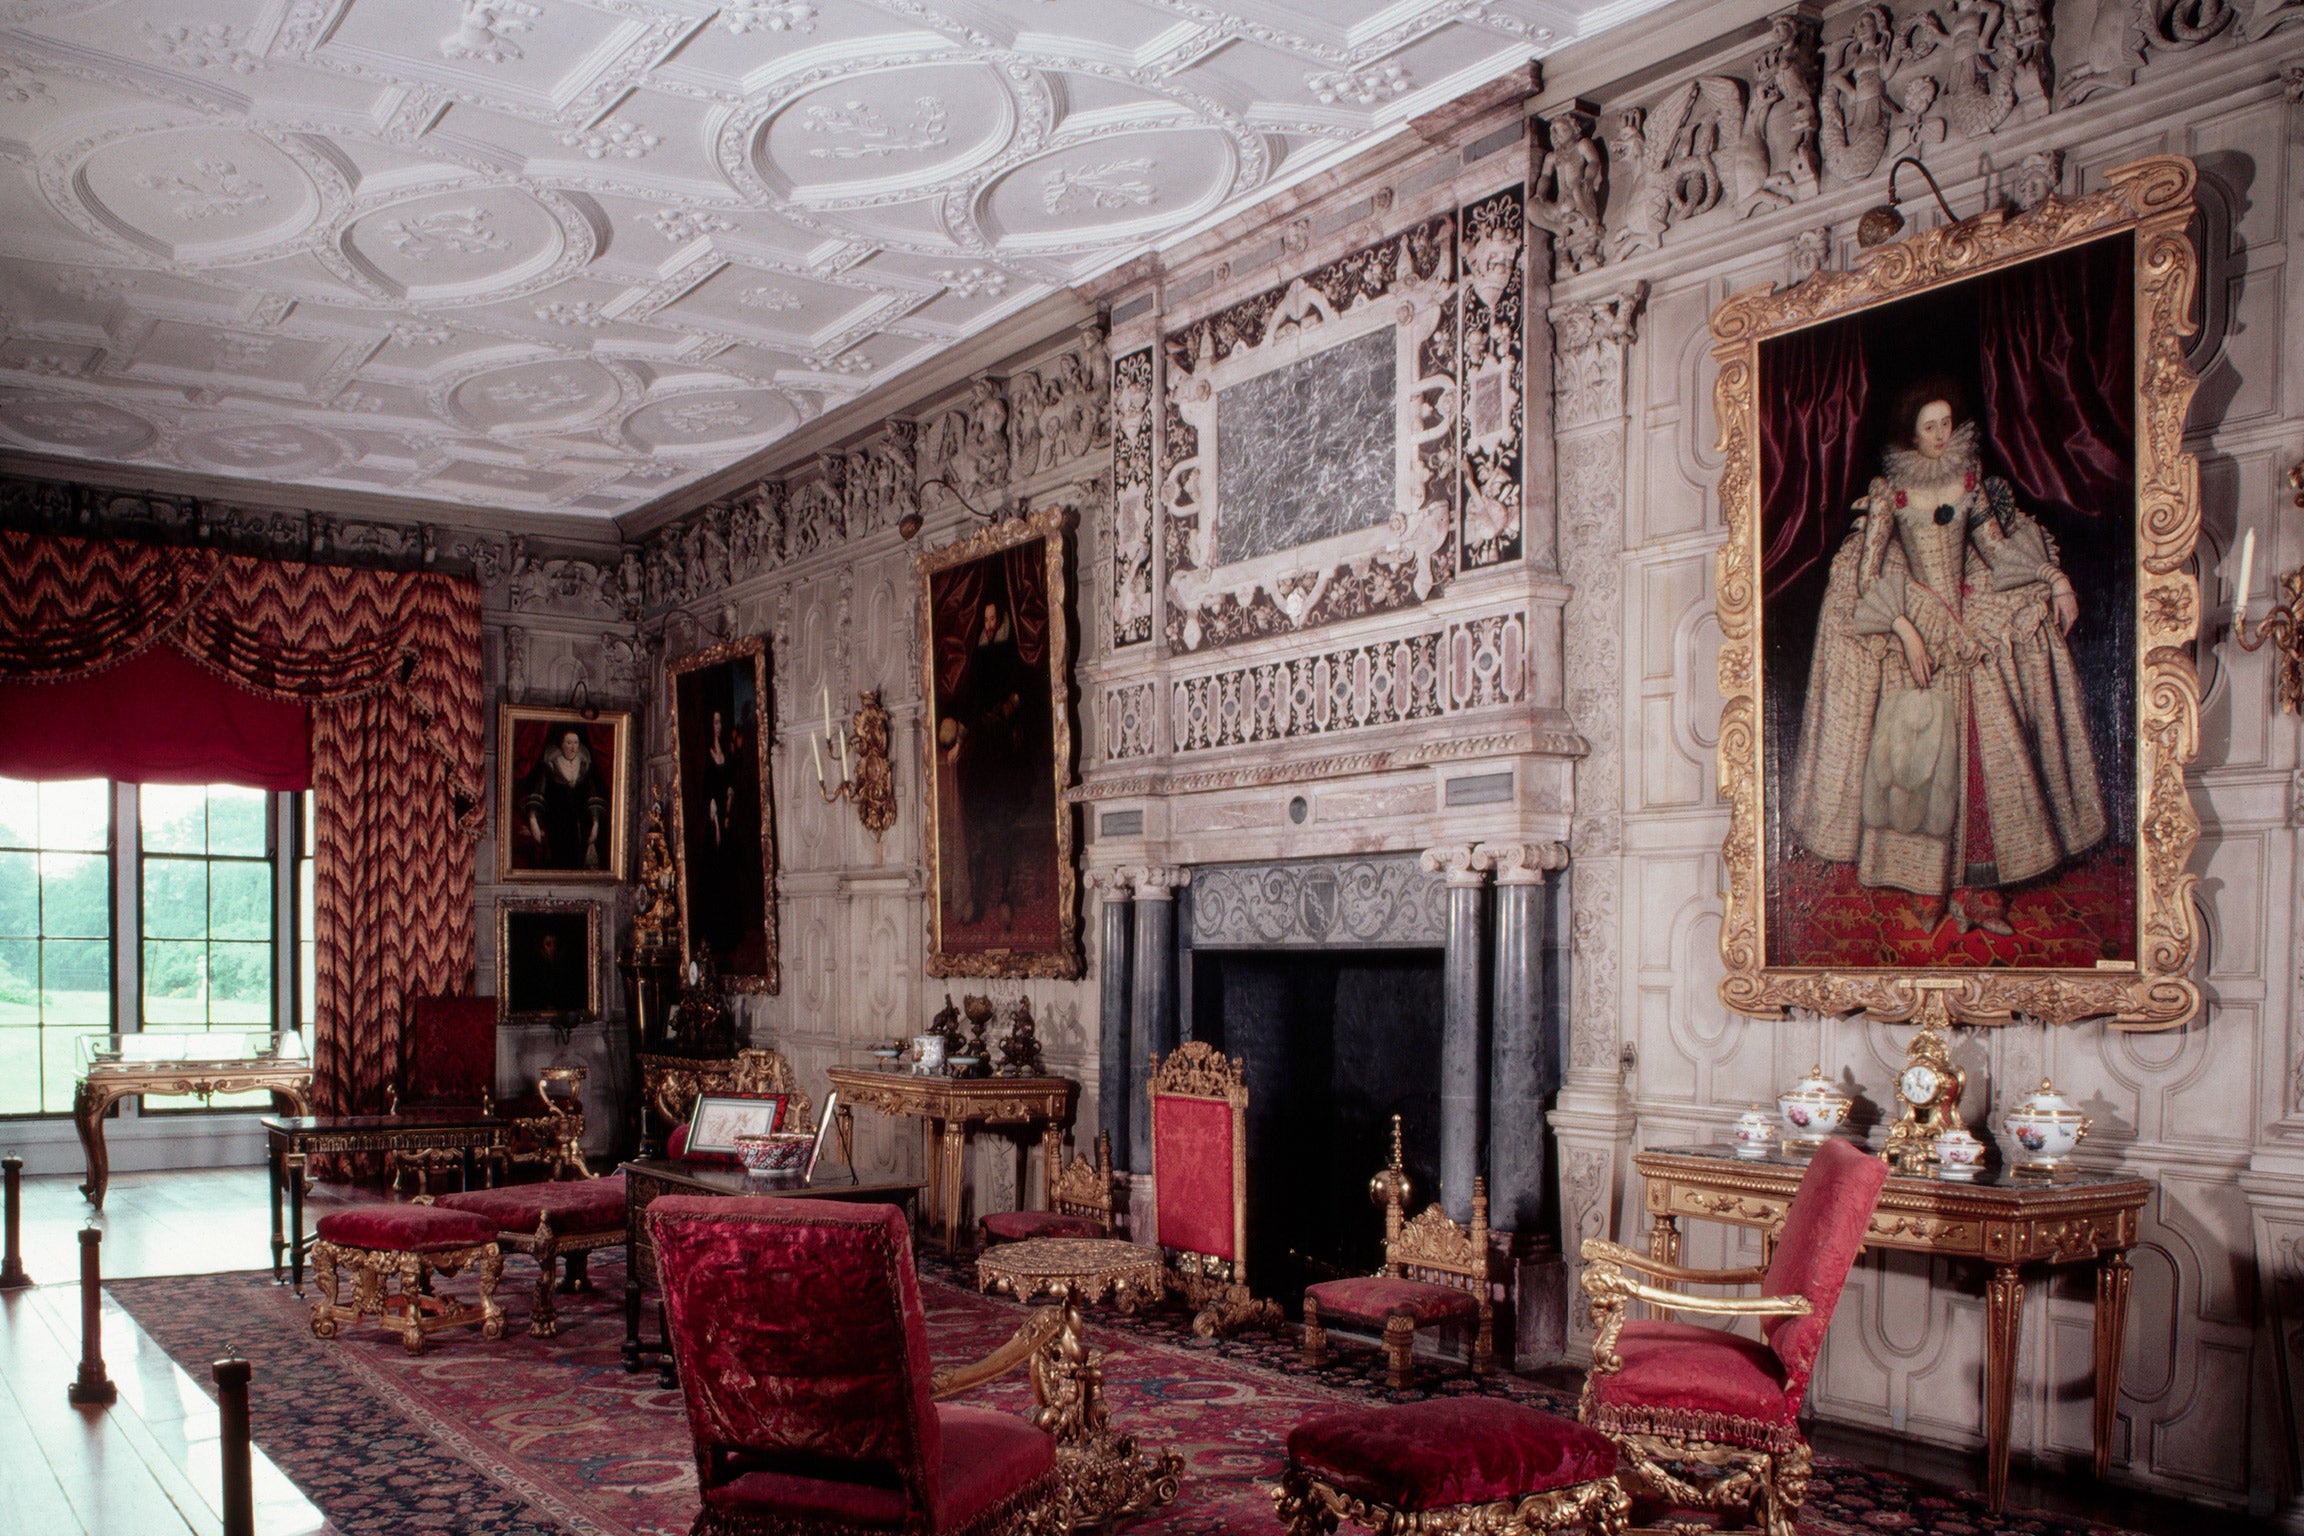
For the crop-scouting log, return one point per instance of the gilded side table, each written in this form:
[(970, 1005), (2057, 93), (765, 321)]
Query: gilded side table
[(2005, 1219), (105, 1083), (950, 1107), (1106, 1476)]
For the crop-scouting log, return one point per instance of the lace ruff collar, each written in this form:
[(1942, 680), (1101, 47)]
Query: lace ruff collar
[(1909, 469)]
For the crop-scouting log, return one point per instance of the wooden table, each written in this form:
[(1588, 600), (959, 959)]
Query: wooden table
[(292, 1140), (287, 1078), (949, 1107), (2004, 1219), (648, 1178)]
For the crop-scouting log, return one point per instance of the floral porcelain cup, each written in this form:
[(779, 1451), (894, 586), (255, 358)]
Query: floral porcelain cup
[(2043, 1128), (1812, 1110), (1754, 1131), (1959, 1155)]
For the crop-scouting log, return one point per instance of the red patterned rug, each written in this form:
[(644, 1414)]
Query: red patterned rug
[(529, 1437)]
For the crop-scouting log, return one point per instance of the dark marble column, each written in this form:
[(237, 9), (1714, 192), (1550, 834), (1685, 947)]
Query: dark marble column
[(1115, 1084), (1463, 1033), (1523, 1055), (1152, 1013)]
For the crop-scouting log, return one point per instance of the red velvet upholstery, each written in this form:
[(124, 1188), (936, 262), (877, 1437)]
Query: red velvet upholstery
[(1823, 1231), (1192, 1174), (1373, 1298), (451, 1051), (804, 1359), (405, 1228), (1447, 1451), (576, 1206), (1016, 1226), (1685, 1368)]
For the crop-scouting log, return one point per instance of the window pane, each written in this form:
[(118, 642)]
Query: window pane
[(19, 1071), (19, 983), (19, 814), (240, 983), (175, 818), (75, 899), (76, 815), (239, 900), (175, 982), (60, 1067), (76, 981), (236, 821), (175, 898), (19, 894)]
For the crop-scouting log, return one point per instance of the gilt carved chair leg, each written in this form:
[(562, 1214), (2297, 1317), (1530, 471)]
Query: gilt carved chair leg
[(1484, 1343), (543, 1315), (1399, 1351), (412, 1284), (491, 1310), (1315, 1336), (1301, 1512)]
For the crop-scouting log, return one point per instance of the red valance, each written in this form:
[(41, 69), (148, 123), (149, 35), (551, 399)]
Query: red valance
[(388, 665), (154, 719)]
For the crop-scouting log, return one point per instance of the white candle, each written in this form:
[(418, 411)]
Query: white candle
[(817, 753), (827, 713), (2247, 569)]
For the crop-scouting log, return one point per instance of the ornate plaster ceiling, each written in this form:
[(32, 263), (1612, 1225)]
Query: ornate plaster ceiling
[(567, 254)]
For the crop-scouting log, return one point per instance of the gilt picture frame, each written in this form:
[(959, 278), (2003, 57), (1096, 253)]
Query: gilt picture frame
[(723, 811), (1957, 613), (995, 655), (563, 794), (548, 961)]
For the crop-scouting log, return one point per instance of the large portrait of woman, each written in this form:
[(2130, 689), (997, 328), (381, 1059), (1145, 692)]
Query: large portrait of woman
[(1957, 702), (996, 652), (722, 809), (562, 793)]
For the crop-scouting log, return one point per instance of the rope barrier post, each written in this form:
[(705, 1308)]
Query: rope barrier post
[(232, 1440), (12, 1261), (93, 1386)]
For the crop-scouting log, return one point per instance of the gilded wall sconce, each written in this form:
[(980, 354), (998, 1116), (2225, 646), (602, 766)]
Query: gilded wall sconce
[(2284, 625), (861, 754)]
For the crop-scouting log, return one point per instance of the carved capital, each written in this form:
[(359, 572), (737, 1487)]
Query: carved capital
[(1462, 865), (1111, 884), (1589, 339), (1525, 863), (1611, 320), (1155, 882)]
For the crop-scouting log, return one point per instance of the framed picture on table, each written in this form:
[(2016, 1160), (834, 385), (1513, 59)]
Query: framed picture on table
[(1958, 609)]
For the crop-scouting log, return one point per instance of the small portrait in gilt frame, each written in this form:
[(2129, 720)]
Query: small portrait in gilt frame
[(1957, 698), (996, 653), (547, 961), (563, 793)]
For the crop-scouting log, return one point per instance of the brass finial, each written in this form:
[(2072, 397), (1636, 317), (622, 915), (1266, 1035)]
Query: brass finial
[(1390, 1186)]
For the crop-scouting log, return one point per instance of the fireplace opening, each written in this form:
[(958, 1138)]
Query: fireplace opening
[(1335, 1045)]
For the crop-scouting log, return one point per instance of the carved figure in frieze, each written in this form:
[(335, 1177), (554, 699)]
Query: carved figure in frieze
[(987, 435), (631, 584), (1854, 104), (1570, 181), (1640, 185), (525, 579), (1959, 48), (1782, 117), (2035, 180)]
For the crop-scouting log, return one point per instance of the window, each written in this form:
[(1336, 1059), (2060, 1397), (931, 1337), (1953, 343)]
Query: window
[(307, 947), (207, 916), (55, 937)]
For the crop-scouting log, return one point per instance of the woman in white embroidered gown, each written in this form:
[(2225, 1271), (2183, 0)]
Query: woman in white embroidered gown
[(1944, 742)]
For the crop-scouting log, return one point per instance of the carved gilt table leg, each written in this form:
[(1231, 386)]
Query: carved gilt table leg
[(955, 1162), (1051, 1163), (2112, 1280), (2004, 1321), (88, 1108), (1664, 1240)]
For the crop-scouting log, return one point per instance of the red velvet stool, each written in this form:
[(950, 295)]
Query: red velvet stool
[(545, 1221), (413, 1242), (1017, 1226), (1450, 1463)]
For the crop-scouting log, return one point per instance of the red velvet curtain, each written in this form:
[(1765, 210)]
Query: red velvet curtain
[(2057, 354), (388, 663), (1813, 388), (156, 718)]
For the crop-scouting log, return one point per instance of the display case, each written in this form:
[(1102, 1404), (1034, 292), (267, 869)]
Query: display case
[(199, 1063)]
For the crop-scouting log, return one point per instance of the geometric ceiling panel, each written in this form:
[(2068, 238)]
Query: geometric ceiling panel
[(571, 254)]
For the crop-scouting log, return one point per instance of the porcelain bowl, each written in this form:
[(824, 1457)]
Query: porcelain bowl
[(774, 1152)]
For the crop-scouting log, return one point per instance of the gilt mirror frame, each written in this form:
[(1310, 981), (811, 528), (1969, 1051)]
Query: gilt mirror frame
[(952, 950), (2149, 201)]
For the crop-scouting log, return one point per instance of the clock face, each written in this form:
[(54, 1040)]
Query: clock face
[(1919, 1084)]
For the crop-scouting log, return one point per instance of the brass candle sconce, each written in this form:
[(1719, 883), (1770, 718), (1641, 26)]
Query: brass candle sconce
[(2284, 625), (861, 753)]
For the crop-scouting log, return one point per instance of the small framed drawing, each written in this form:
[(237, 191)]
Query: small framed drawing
[(547, 960), (562, 793), (719, 1118)]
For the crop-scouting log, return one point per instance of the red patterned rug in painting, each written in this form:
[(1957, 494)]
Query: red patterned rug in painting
[(529, 1437), (1822, 916)]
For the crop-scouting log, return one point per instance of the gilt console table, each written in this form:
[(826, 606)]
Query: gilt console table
[(949, 1107), (2002, 1218), (112, 1067)]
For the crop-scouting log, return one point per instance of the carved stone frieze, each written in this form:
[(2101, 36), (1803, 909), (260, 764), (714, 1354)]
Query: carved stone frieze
[(1132, 495), (1390, 901), (1571, 180), (1128, 720), (1493, 380)]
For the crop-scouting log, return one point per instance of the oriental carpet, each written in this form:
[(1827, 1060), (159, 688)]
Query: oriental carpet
[(529, 1437)]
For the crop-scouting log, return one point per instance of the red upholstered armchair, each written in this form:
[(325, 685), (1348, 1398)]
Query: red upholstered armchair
[(1200, 1185), (447, 1061), (804, 1358), (1693, 1396)]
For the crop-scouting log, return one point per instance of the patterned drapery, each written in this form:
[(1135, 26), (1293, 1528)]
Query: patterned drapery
[(389, 663)]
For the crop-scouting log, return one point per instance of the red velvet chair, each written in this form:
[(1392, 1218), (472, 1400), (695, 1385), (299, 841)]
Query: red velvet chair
[(1200, 1185), (804, 1358), (447, 1061), (1679, 1396), (1079, 1203)]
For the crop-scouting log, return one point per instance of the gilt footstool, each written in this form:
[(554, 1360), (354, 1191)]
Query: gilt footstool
[(1450, 1464), (413, 1242), (566, 1218)]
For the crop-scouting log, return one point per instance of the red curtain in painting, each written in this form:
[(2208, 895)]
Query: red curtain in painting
[(2059, 397), (388, 663), (1813, 388)]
